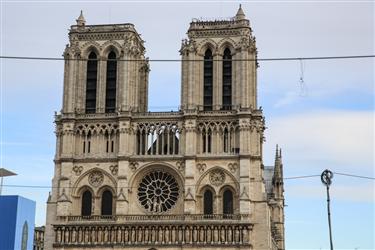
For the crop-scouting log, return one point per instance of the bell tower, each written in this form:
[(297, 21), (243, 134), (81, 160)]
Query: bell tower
[(219, 65), (105, 69)]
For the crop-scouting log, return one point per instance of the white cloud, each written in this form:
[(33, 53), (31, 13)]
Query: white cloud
[(353, 193), (339, 140)]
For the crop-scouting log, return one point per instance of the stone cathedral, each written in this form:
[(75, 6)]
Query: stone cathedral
[(127, 178)]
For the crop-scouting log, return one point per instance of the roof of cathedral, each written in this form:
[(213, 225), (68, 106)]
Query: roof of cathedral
[(81, 27), (238, 21)]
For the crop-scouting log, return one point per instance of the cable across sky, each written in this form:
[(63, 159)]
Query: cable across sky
[(189, 60), (285, 178)]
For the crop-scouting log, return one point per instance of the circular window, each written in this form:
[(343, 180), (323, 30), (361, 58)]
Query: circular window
[(158, 191)]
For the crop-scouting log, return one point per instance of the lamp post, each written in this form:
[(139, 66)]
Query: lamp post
[(326, 178), (4, 173)]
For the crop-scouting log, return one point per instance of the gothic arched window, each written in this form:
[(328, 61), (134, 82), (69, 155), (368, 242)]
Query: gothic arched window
[(110, 91), (107, 202), (227, 80), (206, 140), (86, 205), (207, 80), (228, 202), (91, 82), (226, 141), (208, 200)]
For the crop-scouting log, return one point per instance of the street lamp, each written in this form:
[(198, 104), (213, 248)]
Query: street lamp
[(326, 178)]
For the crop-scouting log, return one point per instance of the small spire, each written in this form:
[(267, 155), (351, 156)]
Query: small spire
[(280, 155), (81, 20), (277, 152), (240, 14)]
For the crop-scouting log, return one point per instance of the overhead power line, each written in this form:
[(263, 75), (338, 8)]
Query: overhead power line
[(191, 60), (41, 186), (356, 176), (285, 178), (301, 177)]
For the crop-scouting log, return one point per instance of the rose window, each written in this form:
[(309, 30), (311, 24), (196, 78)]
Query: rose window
[(158, 191)]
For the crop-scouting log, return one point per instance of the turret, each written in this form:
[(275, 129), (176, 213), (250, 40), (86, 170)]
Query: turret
[(81, 20), (219, 65), (240, 14)]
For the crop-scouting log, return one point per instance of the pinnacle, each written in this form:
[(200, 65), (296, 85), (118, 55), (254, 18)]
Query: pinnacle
[(277, 152), (240, 14), (81, 19)]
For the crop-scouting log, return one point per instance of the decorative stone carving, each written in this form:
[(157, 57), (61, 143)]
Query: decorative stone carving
[(63, 196), (121, 196), (217, 177), (77, 170), (96, 178), (244, 194), (232, 167), (133, 166), (114, 169), (258, 125), (201, 167), (189, 195), (180, 165), (158, 192)]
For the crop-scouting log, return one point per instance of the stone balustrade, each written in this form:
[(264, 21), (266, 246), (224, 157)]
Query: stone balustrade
[(173, 234), (162, 217)]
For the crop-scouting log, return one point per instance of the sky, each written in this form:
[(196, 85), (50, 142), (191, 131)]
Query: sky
[(325, 121)]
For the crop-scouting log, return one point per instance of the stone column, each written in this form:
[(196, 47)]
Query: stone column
[(122, 204)]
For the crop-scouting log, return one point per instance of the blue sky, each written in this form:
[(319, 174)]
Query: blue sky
[(328, 122)]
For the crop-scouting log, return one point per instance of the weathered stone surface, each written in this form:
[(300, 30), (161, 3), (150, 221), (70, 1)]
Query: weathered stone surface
[(197, 151)]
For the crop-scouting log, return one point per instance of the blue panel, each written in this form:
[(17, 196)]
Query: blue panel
[(17, 218), (8, 217)]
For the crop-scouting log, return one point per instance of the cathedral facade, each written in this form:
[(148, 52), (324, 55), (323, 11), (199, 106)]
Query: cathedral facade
[(127, 178)]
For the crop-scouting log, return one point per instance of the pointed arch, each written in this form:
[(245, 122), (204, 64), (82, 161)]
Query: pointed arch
[(226, 43), (110, 46), (89, 47), (79, 186), (208, 202), (111, 83), (207, 140), (227, 80), (208, 80), (86, 203), (107, 202), (228, 206), (231, 180), (91, 82), (207, 43)]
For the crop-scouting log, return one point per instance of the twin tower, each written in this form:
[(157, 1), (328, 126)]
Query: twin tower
[(126, 178)]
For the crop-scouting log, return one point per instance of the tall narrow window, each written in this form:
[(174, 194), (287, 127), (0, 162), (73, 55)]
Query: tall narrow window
[(91, 81), (107, 203), (225, 144), (207, 80), (227, 80), (110, 93), (208, 200), (88, 142), (86, 205), (107, 140), (206, 140), (228, 202)]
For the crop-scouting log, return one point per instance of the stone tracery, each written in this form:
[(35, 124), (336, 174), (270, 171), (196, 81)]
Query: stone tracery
[(158, 192)]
